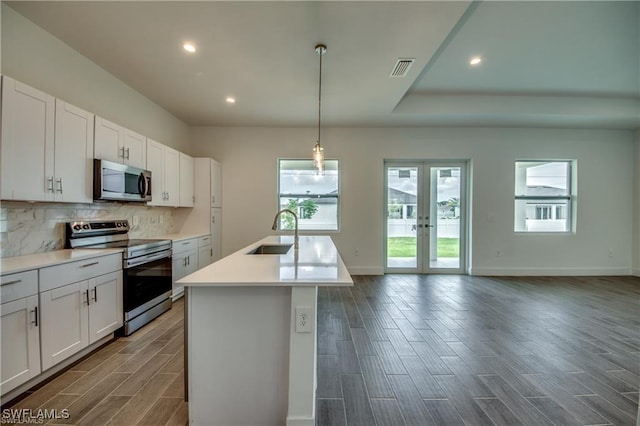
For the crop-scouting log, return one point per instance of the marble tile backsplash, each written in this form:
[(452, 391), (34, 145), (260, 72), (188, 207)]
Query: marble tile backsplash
[(27, 228)]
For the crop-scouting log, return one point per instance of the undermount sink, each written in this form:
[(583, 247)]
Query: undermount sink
[(271, 249)]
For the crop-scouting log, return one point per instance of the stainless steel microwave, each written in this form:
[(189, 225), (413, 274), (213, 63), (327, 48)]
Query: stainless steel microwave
[(119, 182)]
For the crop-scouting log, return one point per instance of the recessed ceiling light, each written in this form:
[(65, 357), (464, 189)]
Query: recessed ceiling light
[(230, 100), (189, 47), (475, 60)]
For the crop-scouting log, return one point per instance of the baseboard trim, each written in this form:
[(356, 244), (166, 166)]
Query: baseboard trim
[(364, 270), (301, 421), (550, 271), (636, 273)]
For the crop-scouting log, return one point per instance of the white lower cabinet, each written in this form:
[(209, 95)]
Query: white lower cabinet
[(65, 322), (81, 302), (105, 309), (205, 252), (19, 325), (21, 357), (184, 262)]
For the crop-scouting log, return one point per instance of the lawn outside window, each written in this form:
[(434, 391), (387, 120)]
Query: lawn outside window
[(543, 196), (313, 196)]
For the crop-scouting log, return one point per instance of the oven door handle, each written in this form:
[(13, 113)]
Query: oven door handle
[(129, 263)]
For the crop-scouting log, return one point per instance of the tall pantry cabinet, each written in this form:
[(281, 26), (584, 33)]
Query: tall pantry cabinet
[(206, 215)]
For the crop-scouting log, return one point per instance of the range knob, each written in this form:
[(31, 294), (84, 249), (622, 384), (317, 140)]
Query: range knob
[(77, 227), (85, 226)]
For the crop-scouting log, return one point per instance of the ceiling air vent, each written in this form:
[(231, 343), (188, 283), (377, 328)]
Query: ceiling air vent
[(402, 67)]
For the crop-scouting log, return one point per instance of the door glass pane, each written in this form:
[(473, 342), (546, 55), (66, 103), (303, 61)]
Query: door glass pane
[(402, 217), (444, 218)]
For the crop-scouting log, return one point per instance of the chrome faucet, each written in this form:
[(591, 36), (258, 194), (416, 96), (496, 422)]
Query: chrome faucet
[(295, 217)]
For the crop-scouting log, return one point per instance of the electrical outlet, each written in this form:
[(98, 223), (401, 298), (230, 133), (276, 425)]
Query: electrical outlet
[(304, 319)]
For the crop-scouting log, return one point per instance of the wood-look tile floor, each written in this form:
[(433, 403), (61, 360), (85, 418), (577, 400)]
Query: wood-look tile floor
[(454, 350), (134, 380), (409, 350)]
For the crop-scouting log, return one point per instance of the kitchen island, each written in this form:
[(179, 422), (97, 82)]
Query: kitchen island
[(251, 332)]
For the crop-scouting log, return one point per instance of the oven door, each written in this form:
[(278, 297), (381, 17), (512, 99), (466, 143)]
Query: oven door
[(146, 283)]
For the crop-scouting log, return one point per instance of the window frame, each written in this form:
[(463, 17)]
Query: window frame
[(550, 200), (338, 196)]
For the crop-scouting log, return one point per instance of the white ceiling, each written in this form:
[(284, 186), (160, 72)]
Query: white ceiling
[(545, 64)]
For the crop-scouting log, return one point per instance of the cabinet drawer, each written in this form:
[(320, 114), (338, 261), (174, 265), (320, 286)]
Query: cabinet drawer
[(185, 245), (56, 276), (17, 286), (204, 241)]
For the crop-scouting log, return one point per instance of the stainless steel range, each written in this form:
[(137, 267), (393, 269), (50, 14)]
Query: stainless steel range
[(146, 267)]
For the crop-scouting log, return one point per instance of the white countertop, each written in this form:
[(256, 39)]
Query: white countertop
[(180, 236), (12, 265), (318, 262)]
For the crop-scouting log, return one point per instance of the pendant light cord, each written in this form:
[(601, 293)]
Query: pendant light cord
[(320, 94)]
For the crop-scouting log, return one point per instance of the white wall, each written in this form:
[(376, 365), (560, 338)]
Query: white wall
[(604, 202), (636, 217), (35, 57)]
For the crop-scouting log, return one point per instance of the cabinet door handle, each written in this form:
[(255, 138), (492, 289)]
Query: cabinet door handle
[(95, 294), (89, 264), (59, 182), (12, 282), (127, 153), (211, 252), (50, 184), (86, 292), (122, 149), (35, 319)]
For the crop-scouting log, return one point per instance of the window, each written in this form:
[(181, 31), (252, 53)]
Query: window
[(543, 196), (314, 197)]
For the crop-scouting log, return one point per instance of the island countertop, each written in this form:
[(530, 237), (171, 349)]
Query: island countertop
[(317, 262)]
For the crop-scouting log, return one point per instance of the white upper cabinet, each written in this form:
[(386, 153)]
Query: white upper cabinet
[(186, 180), (216, 184), (27, 142), (164, 164), (73, 155), (47, 147), (116, 143)]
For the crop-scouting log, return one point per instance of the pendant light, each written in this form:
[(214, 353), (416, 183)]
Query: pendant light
[(318, 151)]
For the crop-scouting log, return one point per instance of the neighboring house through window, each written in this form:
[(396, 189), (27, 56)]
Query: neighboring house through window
[(314, 197), (543, 196)]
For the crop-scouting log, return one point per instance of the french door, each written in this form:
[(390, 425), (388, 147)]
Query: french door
[(425, 217)]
